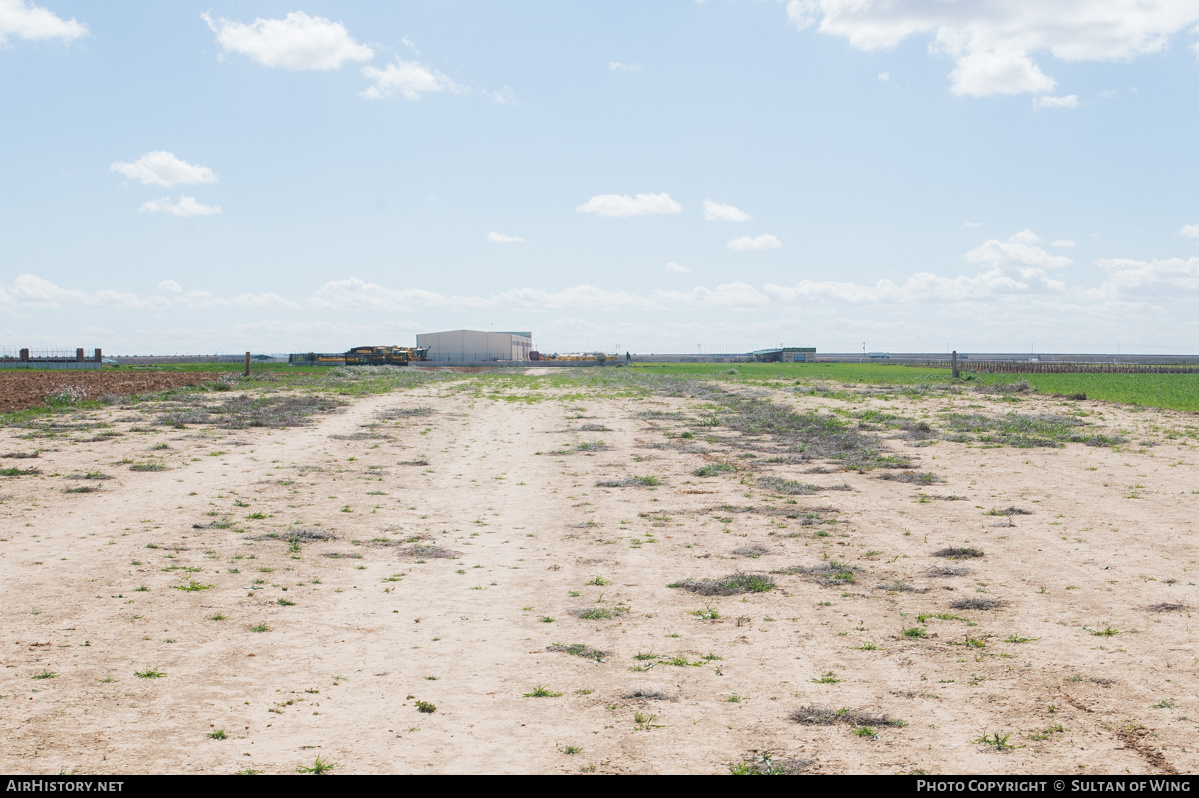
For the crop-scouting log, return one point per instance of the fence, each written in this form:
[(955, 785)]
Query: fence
[(1025, 367), (47, 358)]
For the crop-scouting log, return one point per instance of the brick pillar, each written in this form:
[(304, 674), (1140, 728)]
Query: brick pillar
[(97, 354), (79, 355), (24, 355)]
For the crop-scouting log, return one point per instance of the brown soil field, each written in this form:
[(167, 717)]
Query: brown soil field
[(22, 389), (432, 580)]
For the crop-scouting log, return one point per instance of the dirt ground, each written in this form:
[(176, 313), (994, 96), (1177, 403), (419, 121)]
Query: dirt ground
[(468, 540), (20, 389)]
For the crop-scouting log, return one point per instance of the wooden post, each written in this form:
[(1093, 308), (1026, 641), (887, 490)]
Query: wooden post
[(247, 364), (955, 364)]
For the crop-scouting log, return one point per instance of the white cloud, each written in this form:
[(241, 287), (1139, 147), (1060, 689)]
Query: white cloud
[(409, 79), (355, 293), (186, 206), (1062, 242), (983, 74), (1166, 278), (1189, 230), (974, 224), (616, 66), (883, 77), (28, 21), (761, 242), (161, 168), (295, 42), (677, 268), (204, 299), (1069, 101), (1018, 254), (408, 43), (622, 205), (35, 293), (715, 212), (504, 96), (993, 42), (500, 238), (170, 285), (728, 295)]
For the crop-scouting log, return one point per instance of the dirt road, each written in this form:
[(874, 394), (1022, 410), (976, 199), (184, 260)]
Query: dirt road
[(467, 541)]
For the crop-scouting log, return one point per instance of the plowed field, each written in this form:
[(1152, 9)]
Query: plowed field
[(21, 389)]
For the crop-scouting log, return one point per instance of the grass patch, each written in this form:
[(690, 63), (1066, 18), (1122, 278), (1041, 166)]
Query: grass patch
[(911, 477), (958, 553), (581, 650), (978, 603), (714, 469), (788, 487), (648, 481), (541, 691), (730, 585), (319, 766), (829, 573)]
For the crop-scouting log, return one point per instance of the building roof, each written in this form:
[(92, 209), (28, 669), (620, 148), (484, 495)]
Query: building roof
[(522, 333)]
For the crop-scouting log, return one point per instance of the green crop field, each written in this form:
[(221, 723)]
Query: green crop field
[(1168, 391)]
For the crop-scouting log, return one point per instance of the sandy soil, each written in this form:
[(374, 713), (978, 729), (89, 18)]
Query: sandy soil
[(88, 594)]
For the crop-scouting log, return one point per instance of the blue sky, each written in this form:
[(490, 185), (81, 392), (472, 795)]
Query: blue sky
[(915, 174)]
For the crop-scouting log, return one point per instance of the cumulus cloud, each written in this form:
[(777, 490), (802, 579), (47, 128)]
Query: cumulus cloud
[(677, 268), (883, 77), (356, 293), (1189, 230), (993, 43), (622, 205), (715, 212), (25, 20), (500, 238), (409, 79), (616, 66), (170, 285), (186, 206), (295, 42), (1069, 101), (1018, 258), (743, 243), (162, 168), (36, 293), (504, 96), (204, 299), (729, 295), (1167, 278)]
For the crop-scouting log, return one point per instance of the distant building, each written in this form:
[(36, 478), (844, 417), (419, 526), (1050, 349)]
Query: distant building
[(463, 346), (786, 354)]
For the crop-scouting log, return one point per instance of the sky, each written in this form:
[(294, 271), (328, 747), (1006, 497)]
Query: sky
[(674, 176)]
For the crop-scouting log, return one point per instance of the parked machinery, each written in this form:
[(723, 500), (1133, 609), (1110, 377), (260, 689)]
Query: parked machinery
[(385, 355)]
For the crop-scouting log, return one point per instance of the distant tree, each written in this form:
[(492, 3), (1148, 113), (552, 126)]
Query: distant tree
[(601, 358)]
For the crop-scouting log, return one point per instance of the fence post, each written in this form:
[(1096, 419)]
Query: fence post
[(24, 355), (98, 358), (247, 364), (955, 364), (79, 355)]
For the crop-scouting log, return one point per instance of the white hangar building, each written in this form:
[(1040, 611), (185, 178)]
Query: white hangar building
[(476, 345)]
